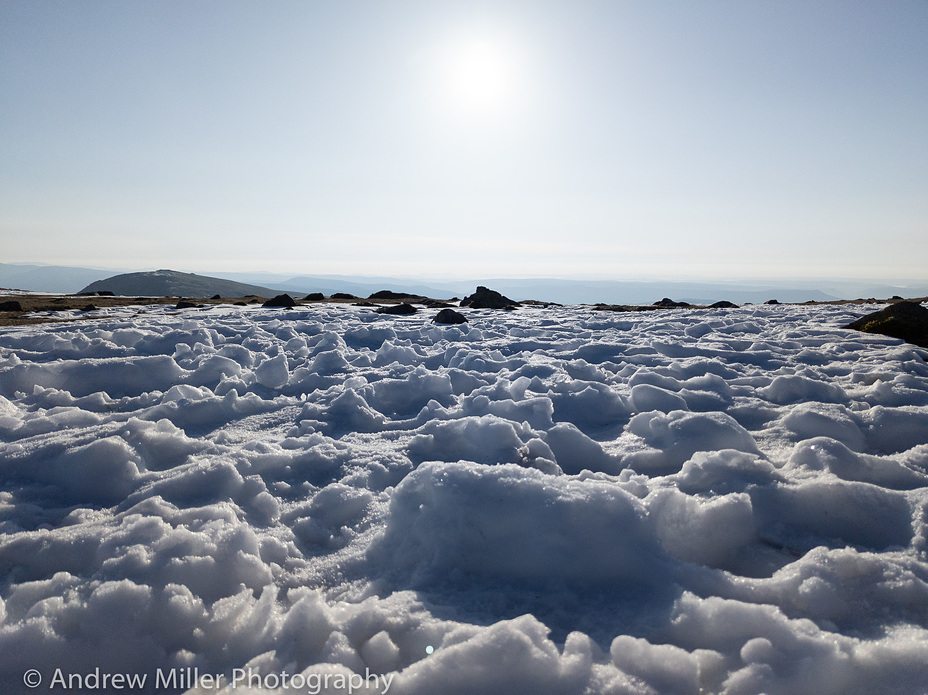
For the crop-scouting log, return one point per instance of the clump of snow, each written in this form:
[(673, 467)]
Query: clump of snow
[(459, 522), (548, 501)]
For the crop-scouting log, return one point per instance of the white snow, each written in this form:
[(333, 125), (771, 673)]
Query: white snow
[(541, 501)]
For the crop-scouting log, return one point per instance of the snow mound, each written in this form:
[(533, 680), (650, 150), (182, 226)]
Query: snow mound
[(454, 521)]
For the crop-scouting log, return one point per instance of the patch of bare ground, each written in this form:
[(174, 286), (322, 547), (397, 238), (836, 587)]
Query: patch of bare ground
[(41, 308)]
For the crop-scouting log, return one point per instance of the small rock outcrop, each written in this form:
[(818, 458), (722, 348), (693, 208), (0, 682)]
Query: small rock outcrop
[(281, 300), (187, 304), (434, 303), (390, 295), (449, 316), (398, 309), (724, 304), (11, 305), (342, 295), (771, 301), (485, 298), (907, 321), (314, 297), (668, 303)]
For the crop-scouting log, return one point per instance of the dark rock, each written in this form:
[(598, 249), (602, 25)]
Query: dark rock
[(434, 303), (449, 316), (364, 302), (724, 304), (771, 301), (89, 307), (668, 303), (907, 321), (281, 300), (485, 298), (187, 304), (398, 309), (343, 295), (239, 304), (106, 293), (216, 296), (314, 297), (395, 296), (11, 305), (895, 297)]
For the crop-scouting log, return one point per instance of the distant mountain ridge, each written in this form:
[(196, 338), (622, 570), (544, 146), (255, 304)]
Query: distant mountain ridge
[(48, 278), (171, 283), (70, 279)]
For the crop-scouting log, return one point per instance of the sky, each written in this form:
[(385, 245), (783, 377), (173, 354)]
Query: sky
[(620, 140)]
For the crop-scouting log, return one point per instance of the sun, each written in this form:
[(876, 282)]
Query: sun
[(480, 78)]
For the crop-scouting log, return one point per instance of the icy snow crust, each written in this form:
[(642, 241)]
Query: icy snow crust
[(543, 501)]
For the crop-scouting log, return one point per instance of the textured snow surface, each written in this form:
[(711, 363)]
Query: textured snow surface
[(541, 501)]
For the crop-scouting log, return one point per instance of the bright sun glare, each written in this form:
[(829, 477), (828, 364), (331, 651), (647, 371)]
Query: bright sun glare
[(481, 78)]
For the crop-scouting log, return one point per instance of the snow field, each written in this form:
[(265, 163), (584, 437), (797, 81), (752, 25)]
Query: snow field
[(541, 501)]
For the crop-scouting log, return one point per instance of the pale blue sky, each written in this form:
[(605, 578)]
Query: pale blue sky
[(715, 139)]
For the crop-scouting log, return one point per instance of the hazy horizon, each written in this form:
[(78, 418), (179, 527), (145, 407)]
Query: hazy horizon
[(577, 277), (617, 290), (516, 139)]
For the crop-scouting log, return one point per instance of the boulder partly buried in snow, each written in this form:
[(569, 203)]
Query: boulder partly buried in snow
[(907, 321), (449, 316), (399, 309), (281, 300)]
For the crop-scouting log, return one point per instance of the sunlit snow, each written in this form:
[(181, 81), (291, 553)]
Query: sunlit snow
[(540, 501)]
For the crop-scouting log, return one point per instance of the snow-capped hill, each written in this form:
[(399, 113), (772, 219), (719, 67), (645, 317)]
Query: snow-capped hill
[(160, 283)]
